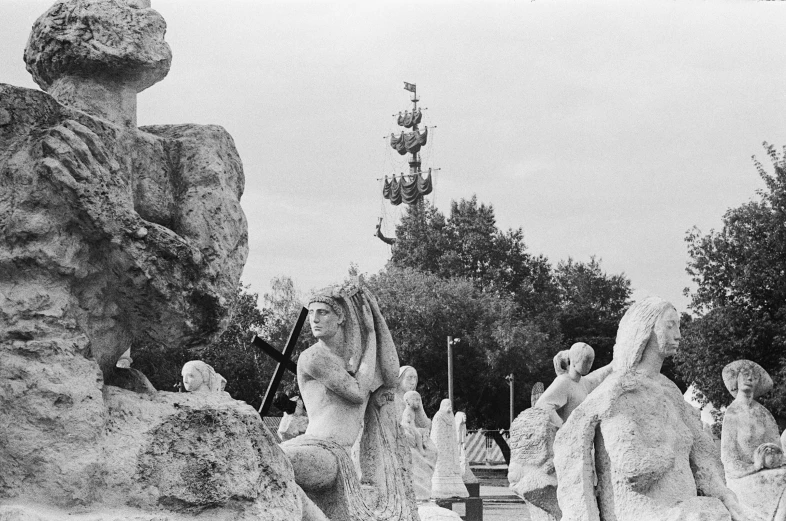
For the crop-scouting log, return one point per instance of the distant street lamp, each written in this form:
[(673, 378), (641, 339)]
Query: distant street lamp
[(509, 378), (451, 342)]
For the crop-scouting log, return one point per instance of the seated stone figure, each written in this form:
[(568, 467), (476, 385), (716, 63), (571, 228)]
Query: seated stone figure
[(347, 380), (652, 458), (750, 446), (199, 377)]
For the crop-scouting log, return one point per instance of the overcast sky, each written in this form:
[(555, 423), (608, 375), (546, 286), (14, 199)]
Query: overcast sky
[(600, 128)]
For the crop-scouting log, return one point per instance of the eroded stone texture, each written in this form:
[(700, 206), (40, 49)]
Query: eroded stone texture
[(179, 456), (110, 237), (531, 471)]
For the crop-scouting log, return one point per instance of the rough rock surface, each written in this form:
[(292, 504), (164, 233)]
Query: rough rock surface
[(113, 237), (531, 472), (177, 456)]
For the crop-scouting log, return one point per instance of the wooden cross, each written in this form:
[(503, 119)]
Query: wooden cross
[(283, 359)]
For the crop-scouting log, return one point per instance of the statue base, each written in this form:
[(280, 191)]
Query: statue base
[(469, 509)]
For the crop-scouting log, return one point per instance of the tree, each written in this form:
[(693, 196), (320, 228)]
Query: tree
[(740, 297), (423, 309), (591, 305), (282, 306)]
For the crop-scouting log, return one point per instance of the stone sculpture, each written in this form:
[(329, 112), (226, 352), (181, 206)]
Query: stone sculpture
[(750, 446), (112, 237), (199, 377), (652, 456), (407, 381), (446, 481), (294, 424), (461, 437), (572, 385), (531, 472), (356, 361), (417, 426)]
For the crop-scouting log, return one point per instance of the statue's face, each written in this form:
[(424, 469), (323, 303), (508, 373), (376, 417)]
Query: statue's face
[(192, 379), (410, 380), (747, 380), (667, 331), (445, 406), (323, 320), (414, 402), (582, 360)]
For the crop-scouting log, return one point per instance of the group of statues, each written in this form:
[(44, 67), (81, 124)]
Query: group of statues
[(362, 406), (621, 443)]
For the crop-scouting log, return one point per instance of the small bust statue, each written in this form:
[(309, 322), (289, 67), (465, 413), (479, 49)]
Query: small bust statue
[(198, 377), (750, 447)]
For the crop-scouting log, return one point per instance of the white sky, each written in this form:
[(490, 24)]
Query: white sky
[(599, 128)]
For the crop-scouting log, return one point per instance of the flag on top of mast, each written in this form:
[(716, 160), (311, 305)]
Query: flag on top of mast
[(409, 86)]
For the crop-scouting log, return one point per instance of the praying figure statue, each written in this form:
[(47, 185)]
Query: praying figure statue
[(652, 461), (347, 381), (446, 481), (461, 437), (417, 427), (199, 377), (750, 446)]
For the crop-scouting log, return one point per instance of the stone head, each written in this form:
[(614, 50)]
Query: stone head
[(326, 313), (445, 406), (582, 357), (746, 376), (407, 378), (413, 400), (199, 377), (649, 322), (461, 418), (119, 41)]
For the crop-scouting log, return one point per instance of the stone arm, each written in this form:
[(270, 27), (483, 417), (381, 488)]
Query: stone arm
[(734, 461), (708, 471), (388, 356), (575, 466), (320, 364), (596, 377), (553, 399)]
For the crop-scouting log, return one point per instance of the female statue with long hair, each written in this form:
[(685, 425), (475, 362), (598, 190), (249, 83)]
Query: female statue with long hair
[(653, 460)]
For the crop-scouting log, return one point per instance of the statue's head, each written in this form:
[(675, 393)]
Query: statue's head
[(461, 418), (445, 406), (407, 378), (746, 376), (649, 322), (413, 400), (198, 377), (325, 313), (120, 41), (581, 357)]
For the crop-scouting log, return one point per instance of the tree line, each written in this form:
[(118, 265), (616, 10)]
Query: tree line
[(460, 275)]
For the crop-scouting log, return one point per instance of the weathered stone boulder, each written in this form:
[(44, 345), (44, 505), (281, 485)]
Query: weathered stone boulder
[(112, 237), (531, 471), (176, 456)]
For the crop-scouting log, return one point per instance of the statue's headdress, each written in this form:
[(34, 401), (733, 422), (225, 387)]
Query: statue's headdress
[(732, 370)]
